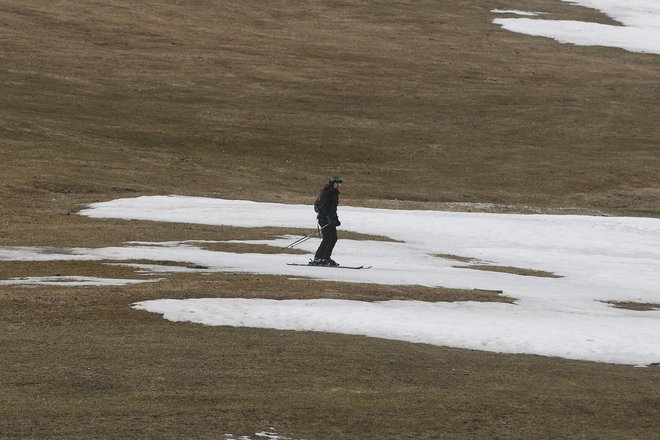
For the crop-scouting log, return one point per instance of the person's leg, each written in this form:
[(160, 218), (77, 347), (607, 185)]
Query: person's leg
[(332, 241), (323, 247)]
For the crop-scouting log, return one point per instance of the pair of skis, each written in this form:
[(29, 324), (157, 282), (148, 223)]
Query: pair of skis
[(333, 267)]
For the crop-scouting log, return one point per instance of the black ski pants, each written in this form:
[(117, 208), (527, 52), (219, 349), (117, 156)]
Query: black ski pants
[(328, 243)]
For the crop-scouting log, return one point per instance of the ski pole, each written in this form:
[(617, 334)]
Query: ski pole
[(305, 238), (299, 241)]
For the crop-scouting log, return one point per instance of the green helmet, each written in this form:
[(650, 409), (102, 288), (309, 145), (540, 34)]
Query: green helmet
[(336, 179)]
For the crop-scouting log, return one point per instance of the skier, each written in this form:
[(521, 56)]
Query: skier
[(328, 220)]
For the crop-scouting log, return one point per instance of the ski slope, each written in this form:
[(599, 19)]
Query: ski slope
[(595, 260)]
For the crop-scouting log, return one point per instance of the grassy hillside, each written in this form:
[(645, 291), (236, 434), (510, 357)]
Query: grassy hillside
[(417, 101), (420, 104)]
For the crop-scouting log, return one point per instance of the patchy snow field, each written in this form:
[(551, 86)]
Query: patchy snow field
[(639, 30), (595, 259)]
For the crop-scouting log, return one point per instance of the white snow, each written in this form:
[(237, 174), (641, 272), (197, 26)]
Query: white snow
[(269, 435), (639, 30), (595, 259), (480, 326), (515, 12)]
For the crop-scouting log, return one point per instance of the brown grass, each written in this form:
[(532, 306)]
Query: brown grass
[(511, 270), (79, 363), (637, 306), (455, 258), (410, 101), (420, 105)]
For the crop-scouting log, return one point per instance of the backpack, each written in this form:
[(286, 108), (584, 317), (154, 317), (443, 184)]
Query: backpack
[(317, 204)]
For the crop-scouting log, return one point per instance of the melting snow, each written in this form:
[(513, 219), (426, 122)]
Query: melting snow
[(639, 30), (596, 259)]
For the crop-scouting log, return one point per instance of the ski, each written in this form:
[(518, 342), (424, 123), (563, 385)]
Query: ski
[(331, 267)]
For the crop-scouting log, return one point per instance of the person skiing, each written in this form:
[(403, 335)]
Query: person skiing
[(326, 206)]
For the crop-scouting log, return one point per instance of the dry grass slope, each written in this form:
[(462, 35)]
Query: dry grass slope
[(419, 104)]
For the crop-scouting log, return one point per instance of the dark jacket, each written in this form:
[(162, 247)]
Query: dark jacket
[(329, 202)]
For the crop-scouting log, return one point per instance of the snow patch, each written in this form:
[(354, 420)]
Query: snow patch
[(498, 327), (639, 32), (268, 435), (599, 259), (515, 12)]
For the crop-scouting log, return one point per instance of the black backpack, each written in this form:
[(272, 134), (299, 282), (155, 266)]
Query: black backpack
[(318, 206), (317, 203)]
